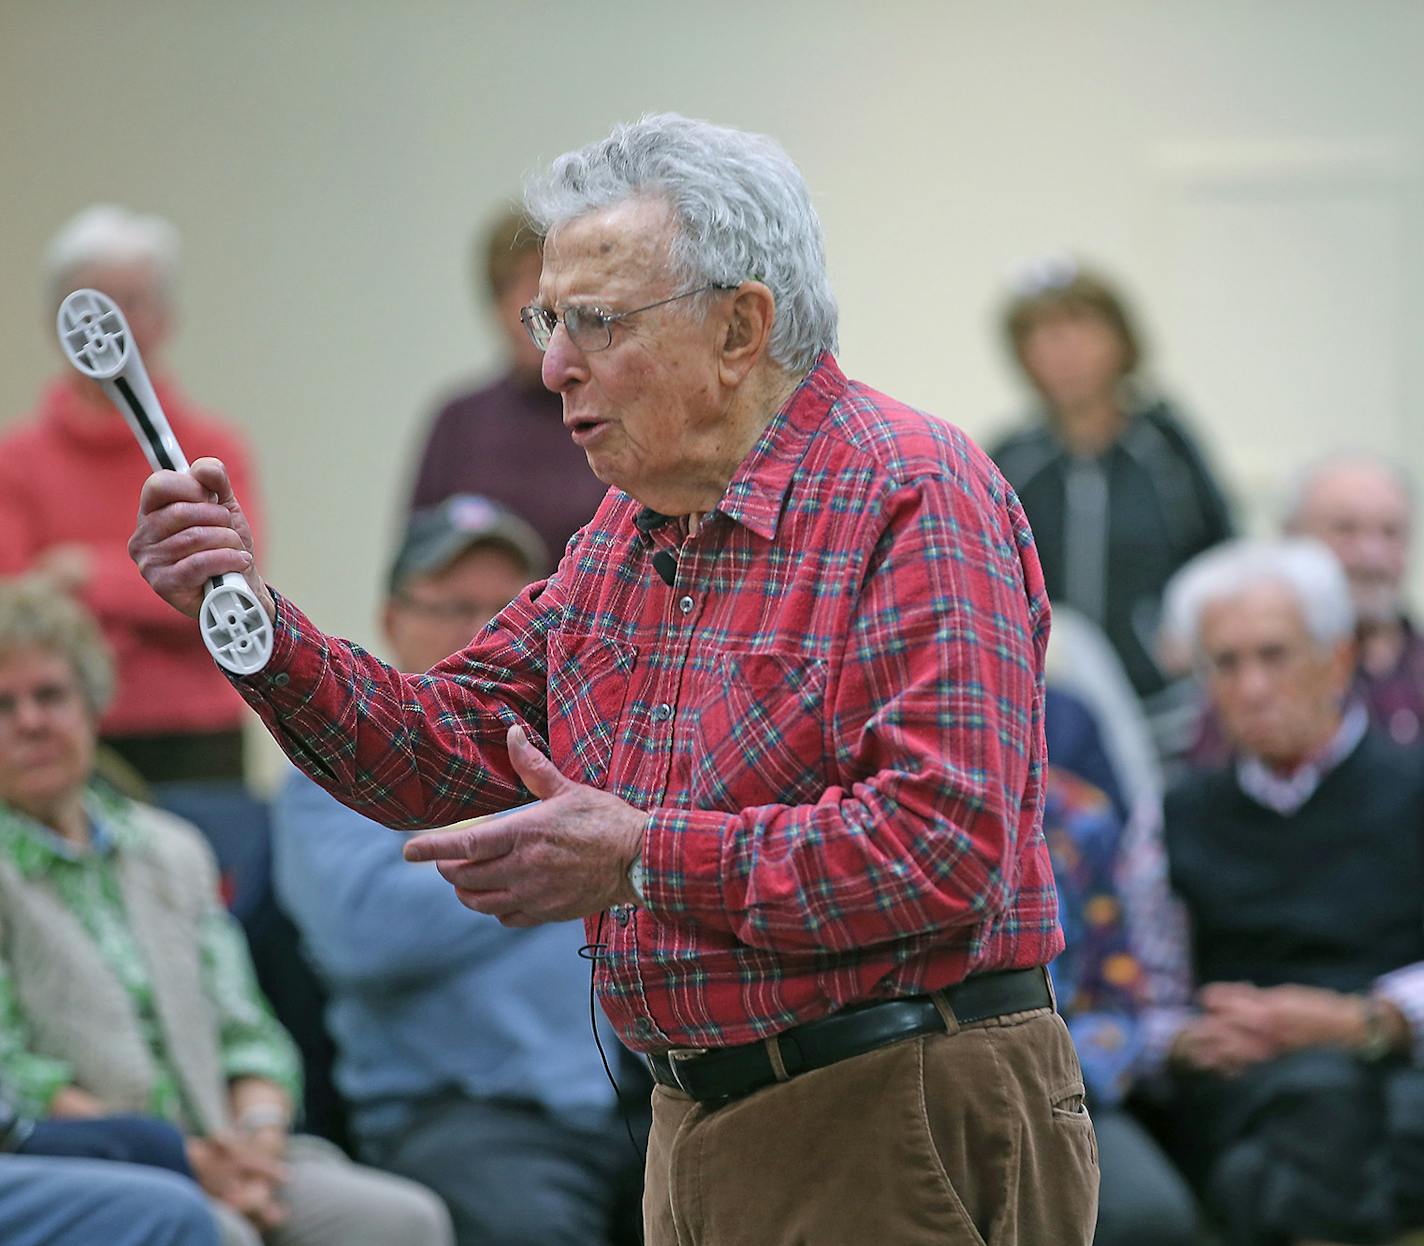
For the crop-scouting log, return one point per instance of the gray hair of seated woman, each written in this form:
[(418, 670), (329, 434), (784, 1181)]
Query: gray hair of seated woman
[(35, 615)]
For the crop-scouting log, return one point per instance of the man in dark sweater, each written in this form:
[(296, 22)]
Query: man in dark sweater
[(1299, 868)]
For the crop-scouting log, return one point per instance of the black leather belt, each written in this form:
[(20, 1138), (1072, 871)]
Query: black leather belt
[(716, 1074)]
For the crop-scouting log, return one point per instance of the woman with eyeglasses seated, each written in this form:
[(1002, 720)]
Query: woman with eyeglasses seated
[(1116, 489), (124, 985)]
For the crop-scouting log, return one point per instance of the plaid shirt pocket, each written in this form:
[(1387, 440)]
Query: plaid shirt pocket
[(588, 685), (759, 735)]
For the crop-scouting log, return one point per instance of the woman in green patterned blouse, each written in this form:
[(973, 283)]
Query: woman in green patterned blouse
[(125, 986)]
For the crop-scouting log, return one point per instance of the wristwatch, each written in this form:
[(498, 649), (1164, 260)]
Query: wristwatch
[(1377, 1044), (638, 877)]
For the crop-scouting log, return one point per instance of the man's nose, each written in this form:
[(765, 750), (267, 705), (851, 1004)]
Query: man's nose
[(564, 363), (1254, 682), (30, 715)]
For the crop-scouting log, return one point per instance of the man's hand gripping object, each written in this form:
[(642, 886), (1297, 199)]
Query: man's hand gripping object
[(95, 338)]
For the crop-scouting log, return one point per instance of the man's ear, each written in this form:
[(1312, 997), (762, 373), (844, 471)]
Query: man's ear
[(748, 330)]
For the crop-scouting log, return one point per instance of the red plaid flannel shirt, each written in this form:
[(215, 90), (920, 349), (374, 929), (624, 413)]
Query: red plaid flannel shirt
[(834, 717)]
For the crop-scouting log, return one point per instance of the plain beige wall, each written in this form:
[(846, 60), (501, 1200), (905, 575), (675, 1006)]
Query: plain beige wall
[(326, 163)]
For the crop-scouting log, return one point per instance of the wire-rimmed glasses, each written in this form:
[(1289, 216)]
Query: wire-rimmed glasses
[(591, 328)]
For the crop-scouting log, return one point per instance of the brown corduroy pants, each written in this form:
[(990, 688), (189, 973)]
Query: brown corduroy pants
[(978, 1136)]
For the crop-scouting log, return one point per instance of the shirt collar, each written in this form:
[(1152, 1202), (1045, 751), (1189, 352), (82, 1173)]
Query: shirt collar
[(757, 490), (34, 849), (1287, 794)]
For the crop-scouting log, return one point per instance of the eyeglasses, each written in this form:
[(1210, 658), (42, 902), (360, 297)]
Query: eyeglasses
[(591, 328)]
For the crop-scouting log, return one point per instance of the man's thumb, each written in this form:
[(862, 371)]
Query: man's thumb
[(540, 775)]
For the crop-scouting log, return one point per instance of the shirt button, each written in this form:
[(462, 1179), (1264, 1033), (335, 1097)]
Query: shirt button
[(642, 1027), (685, 605), (662, 712), (621, 914), (281, 679)]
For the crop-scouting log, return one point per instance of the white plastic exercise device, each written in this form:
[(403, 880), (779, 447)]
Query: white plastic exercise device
[(95, 338)]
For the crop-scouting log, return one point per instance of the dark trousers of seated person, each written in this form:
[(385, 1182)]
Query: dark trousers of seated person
[(1143, 1199), (1315, 1145), (513, 1175), (952, 1139), (123, 1139)]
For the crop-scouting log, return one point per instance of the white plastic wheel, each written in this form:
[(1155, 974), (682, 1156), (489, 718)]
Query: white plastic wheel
[(236, 631), (94, 334)]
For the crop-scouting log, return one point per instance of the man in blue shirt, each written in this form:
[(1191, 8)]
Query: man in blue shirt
[(463, 1048)]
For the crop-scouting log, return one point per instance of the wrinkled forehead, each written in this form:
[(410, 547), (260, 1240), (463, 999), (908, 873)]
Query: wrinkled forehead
[(623, 248), (27, 662), (1269, 611)]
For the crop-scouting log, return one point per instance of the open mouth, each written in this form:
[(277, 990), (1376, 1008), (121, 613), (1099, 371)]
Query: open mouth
[(583, 430)]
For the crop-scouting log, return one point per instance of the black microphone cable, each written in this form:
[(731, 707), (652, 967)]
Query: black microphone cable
[(593, 953)]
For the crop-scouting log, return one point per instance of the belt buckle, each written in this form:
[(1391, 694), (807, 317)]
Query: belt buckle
[(679, 1054)]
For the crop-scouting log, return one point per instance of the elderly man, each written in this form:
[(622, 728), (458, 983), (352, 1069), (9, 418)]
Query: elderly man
[(789, 680), (1362, 508), (67, 481), (463, 1048), (1299, 871)]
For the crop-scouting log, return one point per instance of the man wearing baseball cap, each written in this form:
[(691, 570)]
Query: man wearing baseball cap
[(463, 1048)]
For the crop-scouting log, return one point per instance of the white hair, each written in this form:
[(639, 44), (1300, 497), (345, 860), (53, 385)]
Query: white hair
[(109, 234), (1301, 482), (742, 209), (1303, 566)]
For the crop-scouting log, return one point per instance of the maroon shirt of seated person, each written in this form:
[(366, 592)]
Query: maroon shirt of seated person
[(508, 442)]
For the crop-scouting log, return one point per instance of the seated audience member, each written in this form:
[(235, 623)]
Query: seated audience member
[(1142, 1198), (1298, 876), (507, 440), (1116, 489), (69, 475), (91, 1202), (1362, 508), (124, 985), (463, 1048)]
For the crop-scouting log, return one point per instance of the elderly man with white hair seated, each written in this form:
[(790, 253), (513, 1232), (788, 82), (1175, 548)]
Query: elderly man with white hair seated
[(1297, 877), (69, 474)]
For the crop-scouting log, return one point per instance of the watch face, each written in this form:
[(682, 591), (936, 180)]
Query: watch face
[(637, 876)]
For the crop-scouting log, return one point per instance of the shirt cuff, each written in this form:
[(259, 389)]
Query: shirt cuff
[(299, 661), (682, 863), (1404, 988)]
